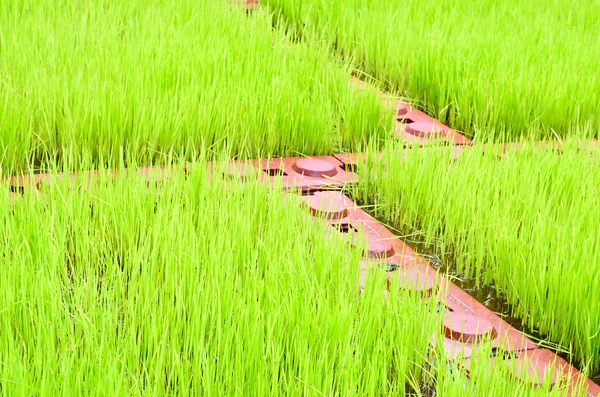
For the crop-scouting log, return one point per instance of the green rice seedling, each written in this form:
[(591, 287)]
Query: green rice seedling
[(489, 374), (196, 286), (490, 69), (148, 78), (525, 222)]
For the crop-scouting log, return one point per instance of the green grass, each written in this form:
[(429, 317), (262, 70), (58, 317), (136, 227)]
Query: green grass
[(193, 288), (491, 69), (200, 286), (487, 378), (196, 286), (527, 224), (147, 78)]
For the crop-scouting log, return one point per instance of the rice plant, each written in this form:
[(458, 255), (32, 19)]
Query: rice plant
[(486, 374), (526, 222), (491, 69), (146, 78), (194, 286)]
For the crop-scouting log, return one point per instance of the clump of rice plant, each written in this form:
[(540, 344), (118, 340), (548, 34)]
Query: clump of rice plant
[(194, 286), (526, 222), (489, 373), (112, 79), (490, 69)]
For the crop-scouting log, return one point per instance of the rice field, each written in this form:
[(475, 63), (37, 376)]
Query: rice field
[(195, 280), (526, 223), (193, 287), (200, 286), (494, 70), (145, 79)]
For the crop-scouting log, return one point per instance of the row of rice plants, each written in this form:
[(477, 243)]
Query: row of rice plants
[(193, 288), (491, 69), (147, 78), (203, 287), (493, 378), (526, 223)]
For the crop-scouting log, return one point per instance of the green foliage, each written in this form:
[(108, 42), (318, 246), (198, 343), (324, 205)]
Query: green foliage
[(493, 69), (194, 288), (527, 223), (146, 78)]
